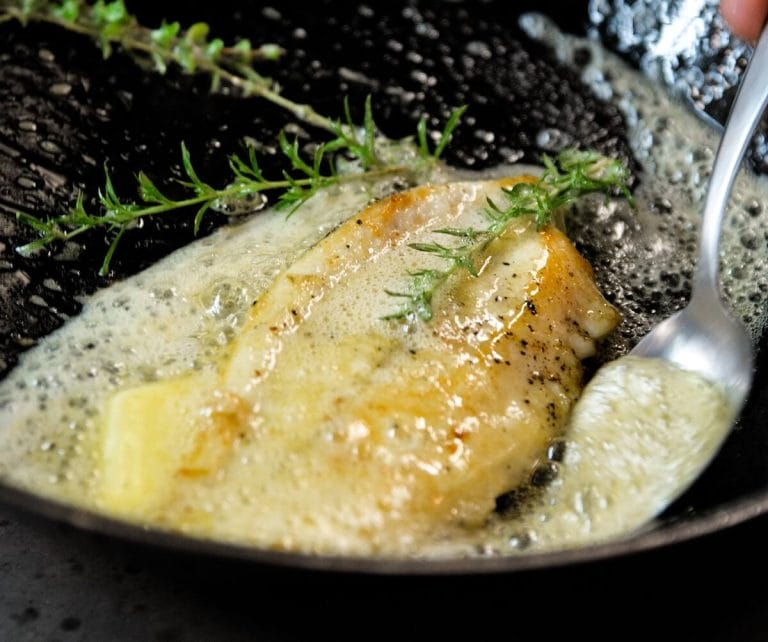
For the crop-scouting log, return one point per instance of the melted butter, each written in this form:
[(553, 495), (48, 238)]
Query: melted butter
[(626, 456), (631, 448)]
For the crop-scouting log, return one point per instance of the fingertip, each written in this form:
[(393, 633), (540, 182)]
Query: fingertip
[(745, 17)]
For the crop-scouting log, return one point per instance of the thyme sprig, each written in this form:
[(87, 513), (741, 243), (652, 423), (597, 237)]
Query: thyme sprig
[(248, 184), (570, 175), (194, 50), (191, 49), (362, 145)]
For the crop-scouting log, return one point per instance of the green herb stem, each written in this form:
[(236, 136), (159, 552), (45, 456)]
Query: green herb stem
[(119, 215), (189, 49)]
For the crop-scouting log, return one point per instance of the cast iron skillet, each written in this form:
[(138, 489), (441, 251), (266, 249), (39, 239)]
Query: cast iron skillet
[(64, 113)]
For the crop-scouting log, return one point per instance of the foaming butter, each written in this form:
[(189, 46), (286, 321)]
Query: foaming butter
[(640, 434), (220, 406), (631, 445), (329, 428)]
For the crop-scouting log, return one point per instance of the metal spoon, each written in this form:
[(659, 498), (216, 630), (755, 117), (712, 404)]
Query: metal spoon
[(704, 337)]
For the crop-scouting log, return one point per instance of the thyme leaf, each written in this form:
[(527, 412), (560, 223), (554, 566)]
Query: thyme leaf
[(419, 299), (445, 135)]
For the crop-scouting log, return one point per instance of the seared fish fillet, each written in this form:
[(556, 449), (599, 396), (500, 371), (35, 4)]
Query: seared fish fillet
[(330, 429)]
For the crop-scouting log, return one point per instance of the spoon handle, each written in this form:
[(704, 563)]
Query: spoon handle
[(746, 111)]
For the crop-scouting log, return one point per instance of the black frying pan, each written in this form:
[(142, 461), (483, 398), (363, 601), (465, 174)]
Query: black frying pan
[(113, 114)]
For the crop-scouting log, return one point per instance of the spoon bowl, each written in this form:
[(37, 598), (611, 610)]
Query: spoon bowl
[(705, 337)]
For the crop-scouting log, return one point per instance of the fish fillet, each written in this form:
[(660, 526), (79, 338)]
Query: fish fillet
[(330, 429)]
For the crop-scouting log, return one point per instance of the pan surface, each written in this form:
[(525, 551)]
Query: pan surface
[(65, 113)]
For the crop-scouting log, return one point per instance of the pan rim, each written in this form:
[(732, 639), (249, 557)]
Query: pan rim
[(659, 535)]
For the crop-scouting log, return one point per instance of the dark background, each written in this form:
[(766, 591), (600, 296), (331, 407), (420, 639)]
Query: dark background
[(57, 583)]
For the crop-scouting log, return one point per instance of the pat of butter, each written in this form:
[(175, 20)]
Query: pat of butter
[(160, 432)]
